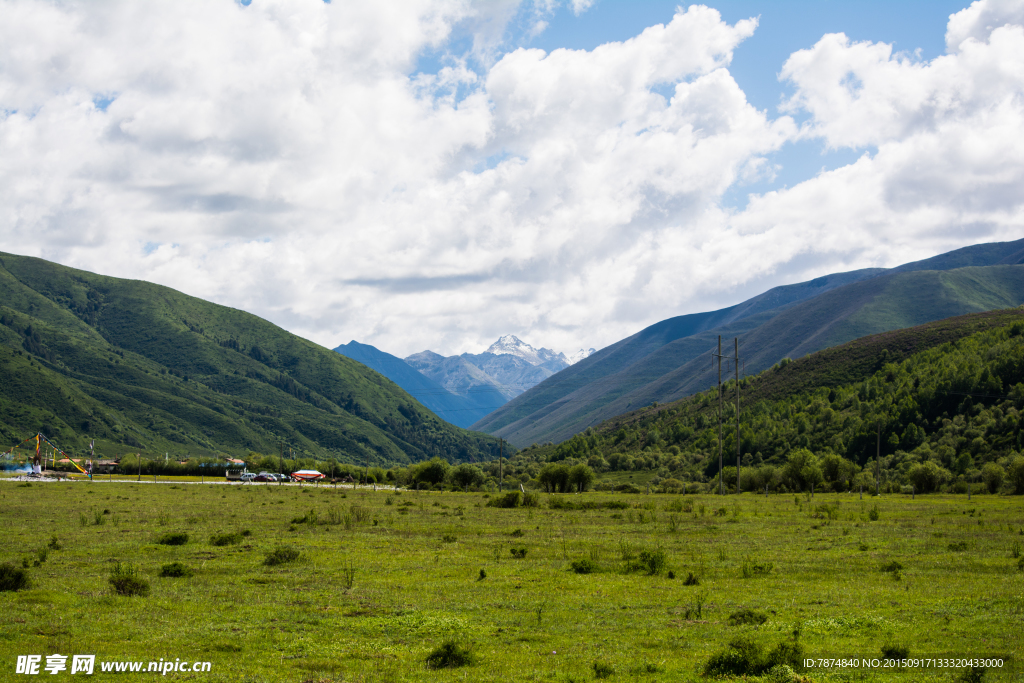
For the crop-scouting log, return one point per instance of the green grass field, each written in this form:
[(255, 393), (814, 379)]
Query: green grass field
[(382, 579)]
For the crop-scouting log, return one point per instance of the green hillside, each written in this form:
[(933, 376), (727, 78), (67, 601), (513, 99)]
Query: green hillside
[(565, 405), (943, 399), (138, 366)]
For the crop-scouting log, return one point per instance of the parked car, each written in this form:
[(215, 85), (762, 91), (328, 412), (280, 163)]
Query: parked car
[(247, 477), (282, 477), (265, 476)]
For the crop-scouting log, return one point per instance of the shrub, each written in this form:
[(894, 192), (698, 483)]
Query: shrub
[(448, 538), (976, 674), (892, 566), (1020, 564), (602, 669), (226, 539), (895, 651), (512, 499), (650, 562), (12, 578), (518, 533), (55, 543), (583, 566), (449, 656), (531, 500), (125, 580), (280, 555), (518, 553), (958, 546), (691, 580), (175, 570), (173, 538), (746, 657), (873, 514), (747, 616)]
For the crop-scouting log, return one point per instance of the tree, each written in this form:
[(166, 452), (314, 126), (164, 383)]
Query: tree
[(992, 474), (927, 476), (1015, 470), (802, 469), (554, 478), (434, 471), (466, 475), (581, 477)]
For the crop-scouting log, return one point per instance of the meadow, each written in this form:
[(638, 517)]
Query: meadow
[(305, 583)]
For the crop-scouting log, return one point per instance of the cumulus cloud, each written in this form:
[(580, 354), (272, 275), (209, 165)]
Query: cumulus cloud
[(289, 158)]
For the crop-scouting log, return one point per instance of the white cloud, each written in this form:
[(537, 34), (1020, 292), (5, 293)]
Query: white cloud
[(287, 158)]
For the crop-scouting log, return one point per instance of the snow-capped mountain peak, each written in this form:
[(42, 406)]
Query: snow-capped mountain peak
[(511, 345), (579, 355)]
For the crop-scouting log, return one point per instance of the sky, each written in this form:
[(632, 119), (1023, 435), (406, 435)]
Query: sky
[(433, 174)]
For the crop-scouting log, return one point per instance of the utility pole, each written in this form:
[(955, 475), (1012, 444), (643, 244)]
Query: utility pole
[(140, 466), (736, 346), (878, 459), (501, 474), (721, 464)]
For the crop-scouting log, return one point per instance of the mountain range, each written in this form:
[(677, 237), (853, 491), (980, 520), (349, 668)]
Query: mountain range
[(671, 359), (140, 367), (463, 389)]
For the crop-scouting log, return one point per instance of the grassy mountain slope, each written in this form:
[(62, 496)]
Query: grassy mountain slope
[(614, 365), (140, 366), (606, 384), (946, 393)]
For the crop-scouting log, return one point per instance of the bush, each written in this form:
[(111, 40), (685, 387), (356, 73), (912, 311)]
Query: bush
[(691, 580), (957, 546), (449, 656), (873, 514), (602, 669), (55, 543), (512, 499), (175, 570), (518, 553), (173, 538), (531, 500), (12, 578), (745, 657), (280, 555), (125, 580), (976, 674), (992, 474), (895, 651), (747, 616), (226, 539), (583, 566), (650, 562), (892, 566)]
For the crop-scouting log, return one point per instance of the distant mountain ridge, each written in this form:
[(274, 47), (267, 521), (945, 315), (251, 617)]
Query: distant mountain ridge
[(669, 360), (509, 367), (460, 411)]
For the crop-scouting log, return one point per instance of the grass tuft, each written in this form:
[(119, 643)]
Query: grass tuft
[(747, 617), (281, 555), (450, 655), (173, 538), (125, 580), (176, 570)]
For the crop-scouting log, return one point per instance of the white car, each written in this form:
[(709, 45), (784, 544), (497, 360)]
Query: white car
[(247, 477)]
